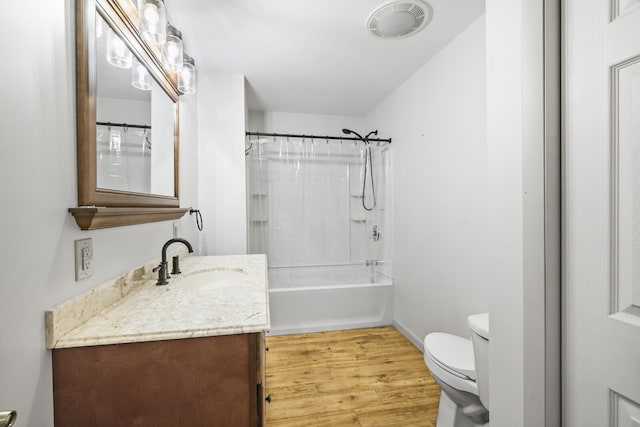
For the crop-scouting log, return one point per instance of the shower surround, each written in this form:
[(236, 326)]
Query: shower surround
[(326, 269)]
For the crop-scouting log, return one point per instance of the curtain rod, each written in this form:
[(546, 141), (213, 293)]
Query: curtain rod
[(339, 138), (123, 125)]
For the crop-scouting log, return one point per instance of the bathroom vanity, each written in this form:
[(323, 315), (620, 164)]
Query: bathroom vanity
[(188, 353)]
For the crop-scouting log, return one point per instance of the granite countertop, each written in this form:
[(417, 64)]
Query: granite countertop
[(120, 312)]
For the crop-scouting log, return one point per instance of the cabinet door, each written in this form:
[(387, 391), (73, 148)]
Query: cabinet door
[(196, 382)]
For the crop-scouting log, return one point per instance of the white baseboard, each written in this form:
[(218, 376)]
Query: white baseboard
[(415, 340), (326, 327)]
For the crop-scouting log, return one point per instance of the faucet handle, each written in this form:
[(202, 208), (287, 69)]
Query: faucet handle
[(162, 274), (176, 265)]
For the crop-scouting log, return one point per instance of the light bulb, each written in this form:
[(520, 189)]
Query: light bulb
[(118, 54), (187, 77), (151, 14), (140, 77), (153, 21), (173, 50)]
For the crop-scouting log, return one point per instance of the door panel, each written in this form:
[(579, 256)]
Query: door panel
[(625, 413), (620, 7), (602, 213), (625, 122)]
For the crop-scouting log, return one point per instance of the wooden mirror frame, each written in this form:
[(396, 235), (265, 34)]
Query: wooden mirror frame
[(100, 207)]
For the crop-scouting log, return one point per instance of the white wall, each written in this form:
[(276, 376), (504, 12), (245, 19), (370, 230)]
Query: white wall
[(515, 135), (162, 148), (255, 121), (311, 124), (437, 121), (38, 172), (221, 127), (118, 110), (189, 179)]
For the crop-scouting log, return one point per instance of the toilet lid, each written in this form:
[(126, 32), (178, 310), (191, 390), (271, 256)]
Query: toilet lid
[(452, 352), (479, 323)]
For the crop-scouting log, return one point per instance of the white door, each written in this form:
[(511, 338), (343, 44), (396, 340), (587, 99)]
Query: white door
[(601, 342)]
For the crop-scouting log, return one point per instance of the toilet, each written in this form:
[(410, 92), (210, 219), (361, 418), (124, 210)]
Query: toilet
[(460, 367)]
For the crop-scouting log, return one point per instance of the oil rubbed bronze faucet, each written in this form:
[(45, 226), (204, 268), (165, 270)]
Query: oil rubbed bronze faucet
[(162, 269)]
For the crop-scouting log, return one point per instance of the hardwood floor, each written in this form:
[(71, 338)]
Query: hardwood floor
[(361, 377)]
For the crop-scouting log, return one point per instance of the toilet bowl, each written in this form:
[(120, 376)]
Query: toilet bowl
[(452, 363)]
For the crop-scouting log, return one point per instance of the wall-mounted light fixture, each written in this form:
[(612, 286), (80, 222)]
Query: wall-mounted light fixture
[(153, 21), (140, 77), (187, 77), (173, 50), (118, 54), (155, 30)]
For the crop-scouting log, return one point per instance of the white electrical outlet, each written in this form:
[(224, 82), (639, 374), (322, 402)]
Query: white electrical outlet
[(175, 229), (84, 258)]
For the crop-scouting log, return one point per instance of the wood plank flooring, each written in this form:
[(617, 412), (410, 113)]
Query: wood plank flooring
[(360, 377)]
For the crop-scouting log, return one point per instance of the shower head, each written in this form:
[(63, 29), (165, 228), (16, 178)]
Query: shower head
[(349, 131), (373, 132), (365, 139)]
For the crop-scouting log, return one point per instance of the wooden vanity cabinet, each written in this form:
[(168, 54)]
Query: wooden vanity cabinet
[(208, 382)]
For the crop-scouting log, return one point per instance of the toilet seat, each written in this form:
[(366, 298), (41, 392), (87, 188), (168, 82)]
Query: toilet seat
[(453, 352), (450, 358)]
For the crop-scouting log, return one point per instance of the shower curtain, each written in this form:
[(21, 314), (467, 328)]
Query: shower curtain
[(123, 158), (305, 201)]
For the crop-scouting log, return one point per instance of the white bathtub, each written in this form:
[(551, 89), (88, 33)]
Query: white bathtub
[(312, 299)]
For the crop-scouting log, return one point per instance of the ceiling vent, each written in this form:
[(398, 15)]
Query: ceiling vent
[(399, 19)]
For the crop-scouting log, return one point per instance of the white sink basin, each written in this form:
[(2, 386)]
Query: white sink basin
[(210, 279)]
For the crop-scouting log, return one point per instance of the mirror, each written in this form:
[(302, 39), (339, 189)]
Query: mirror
[(127, 106), (130, 158), (134, 119)]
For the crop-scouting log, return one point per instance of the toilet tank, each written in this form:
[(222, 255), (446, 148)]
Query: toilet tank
[(479, 325)]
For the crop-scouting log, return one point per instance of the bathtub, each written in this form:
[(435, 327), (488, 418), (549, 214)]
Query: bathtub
[(312, 299)]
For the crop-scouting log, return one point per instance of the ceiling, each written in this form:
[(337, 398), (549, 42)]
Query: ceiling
[(312, 56)]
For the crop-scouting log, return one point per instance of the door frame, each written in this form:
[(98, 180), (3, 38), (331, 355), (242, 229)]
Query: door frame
[(554, 190), (524, 161)]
